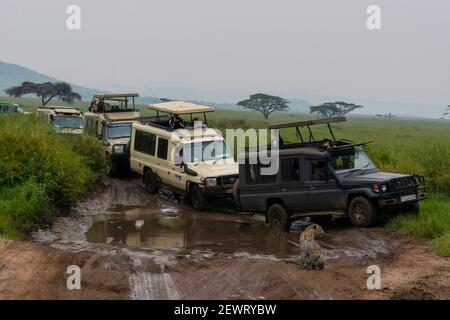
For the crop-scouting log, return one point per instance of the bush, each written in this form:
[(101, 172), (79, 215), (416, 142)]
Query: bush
[(24, 207), (42, 172)]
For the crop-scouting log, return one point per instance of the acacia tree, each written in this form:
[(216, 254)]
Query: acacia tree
[(46, 91), (264, 103), (334, 109)]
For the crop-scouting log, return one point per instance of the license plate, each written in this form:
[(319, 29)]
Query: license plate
[(410, 197)]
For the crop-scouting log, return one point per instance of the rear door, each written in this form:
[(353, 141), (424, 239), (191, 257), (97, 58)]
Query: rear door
[(256, 188), (321, 190)]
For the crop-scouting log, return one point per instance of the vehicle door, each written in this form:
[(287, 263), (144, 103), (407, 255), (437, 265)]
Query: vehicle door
[(256, 188), (321, 188), (162, 169), (177, 175), (292, 188)]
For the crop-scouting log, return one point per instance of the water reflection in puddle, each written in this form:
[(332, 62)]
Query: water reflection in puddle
[(165, 228)]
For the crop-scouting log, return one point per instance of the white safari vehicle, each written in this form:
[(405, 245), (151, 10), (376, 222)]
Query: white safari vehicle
[(176, 149), (65, 120), (109, 118)]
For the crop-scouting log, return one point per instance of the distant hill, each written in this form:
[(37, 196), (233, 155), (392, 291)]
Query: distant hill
[(12, 75)]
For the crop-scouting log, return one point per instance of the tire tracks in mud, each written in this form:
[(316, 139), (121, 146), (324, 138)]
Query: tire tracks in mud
[(409, 268)]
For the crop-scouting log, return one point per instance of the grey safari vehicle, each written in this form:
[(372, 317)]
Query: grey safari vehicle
[(319, 179), (11, 108)]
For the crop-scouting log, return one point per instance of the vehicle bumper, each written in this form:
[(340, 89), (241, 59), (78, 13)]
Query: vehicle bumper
[(398, 201), (219, 191), (122, 158)]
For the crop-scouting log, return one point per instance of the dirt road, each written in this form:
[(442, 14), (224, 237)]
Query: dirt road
[(133, 245)]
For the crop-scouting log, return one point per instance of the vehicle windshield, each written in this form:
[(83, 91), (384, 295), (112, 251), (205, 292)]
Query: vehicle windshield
[(119, 130), (206, 150), (352, 161), (68, 122)]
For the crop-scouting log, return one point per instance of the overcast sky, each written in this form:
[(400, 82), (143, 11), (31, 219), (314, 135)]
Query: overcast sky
[(292, 46)]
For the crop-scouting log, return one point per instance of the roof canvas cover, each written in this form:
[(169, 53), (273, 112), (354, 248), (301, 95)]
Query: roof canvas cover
[(180, 107), (67, 111), (122, 116)]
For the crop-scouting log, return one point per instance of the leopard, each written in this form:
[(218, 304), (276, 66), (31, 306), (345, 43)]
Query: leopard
[(310, 252)]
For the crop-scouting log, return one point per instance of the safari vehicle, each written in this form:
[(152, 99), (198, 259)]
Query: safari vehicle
[(319, 179), (193, 160), (66, 120), (109, 118), (11, 108)]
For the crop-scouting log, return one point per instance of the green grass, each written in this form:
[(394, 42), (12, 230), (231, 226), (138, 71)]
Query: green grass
[(42, 173), (433, 222), (400, 145)]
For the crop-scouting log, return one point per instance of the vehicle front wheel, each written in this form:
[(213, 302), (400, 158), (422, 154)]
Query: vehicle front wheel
[(197, 198), (278, 216), (362, 212), (111, 167), (150, 182)]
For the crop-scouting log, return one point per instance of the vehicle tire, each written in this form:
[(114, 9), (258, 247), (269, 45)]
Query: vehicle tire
[(278, 216), (111, 167), (198, 199), (150, 182), (362, 212), (322, 220)]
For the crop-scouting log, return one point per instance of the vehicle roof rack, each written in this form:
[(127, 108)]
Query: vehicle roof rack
[(116, 95), (308, 124)]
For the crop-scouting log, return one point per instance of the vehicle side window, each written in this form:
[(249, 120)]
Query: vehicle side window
[(2, 108), (253, 175), (145, 142), (163, 145), (290, 169), (319, 171)]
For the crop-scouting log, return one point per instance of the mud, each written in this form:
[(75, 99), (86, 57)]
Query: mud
[(133, 245)]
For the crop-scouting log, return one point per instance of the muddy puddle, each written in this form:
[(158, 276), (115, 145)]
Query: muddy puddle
[(169, 228)]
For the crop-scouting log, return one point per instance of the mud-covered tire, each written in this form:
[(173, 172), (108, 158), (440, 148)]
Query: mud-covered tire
[(362, 212), (321, 220), (278, 216), (198, 199), (150, 182), (112, 167)]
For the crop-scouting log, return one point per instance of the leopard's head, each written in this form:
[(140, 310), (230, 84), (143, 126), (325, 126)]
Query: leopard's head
[(318, 231), (313, 230)]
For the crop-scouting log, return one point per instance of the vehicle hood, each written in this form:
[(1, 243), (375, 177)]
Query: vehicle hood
[(220, 168), (69, 130), (119, 141), (374, 177)]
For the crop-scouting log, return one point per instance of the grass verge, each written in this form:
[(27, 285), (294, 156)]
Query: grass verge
[(433, 222), (42, 173)]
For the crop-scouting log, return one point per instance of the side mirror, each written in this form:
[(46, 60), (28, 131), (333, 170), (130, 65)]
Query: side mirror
[(189, 171), (179, 163)]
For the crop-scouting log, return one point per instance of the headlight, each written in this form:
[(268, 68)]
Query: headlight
[(210, 182), (119, 148), (376, 187), (383, 188)]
